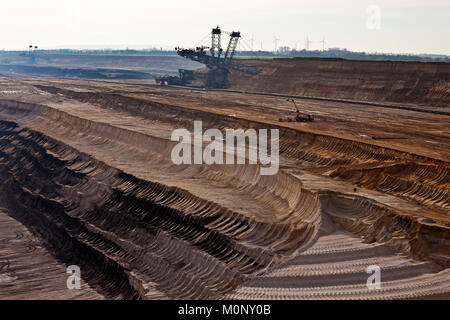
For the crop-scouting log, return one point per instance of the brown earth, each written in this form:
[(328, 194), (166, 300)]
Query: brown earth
[(91, 66), (151, 64), (376, 81), (86, 169)]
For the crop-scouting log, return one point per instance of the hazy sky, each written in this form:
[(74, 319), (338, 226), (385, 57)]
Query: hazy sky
[(400, 26)]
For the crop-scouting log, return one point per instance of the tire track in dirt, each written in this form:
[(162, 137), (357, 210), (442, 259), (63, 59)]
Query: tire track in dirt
[(335, 267)]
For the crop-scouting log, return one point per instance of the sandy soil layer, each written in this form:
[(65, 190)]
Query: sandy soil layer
[(28, 270), (415, 82), (91, 161), (335, 267)]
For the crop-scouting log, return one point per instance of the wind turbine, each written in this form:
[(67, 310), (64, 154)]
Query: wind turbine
[(252, 40), (307, 42), (323, 43), (275, 40)]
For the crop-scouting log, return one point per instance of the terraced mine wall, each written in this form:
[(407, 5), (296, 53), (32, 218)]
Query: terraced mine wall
[(143, 235), (415, 177), (130, 233), (375, 81)]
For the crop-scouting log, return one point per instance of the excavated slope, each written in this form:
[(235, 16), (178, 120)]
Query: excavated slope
[(335, 267), (375, 81), (143, 230), (92, 177)]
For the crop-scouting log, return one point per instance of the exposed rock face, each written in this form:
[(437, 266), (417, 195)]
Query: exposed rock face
[(377, 81)]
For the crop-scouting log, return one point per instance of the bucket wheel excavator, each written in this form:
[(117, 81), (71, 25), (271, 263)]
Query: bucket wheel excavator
[(218, 62)]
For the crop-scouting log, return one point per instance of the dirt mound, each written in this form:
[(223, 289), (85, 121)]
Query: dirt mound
[(376, 81)]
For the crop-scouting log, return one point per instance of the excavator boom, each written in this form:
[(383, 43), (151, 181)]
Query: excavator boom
[(219, 65)]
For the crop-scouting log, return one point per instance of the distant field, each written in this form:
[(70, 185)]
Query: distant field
[(65, 64)]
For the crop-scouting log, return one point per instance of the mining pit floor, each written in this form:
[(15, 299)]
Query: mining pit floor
[(88, 181)]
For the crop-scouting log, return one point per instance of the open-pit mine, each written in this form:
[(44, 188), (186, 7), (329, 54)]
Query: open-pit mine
[(88, 181)]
